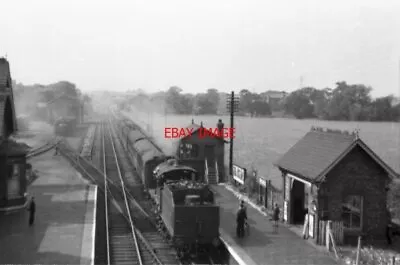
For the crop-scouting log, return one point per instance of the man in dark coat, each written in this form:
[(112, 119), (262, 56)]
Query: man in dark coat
[(241, 218), (32, 210)]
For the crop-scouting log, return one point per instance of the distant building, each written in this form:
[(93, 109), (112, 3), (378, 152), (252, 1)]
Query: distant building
[(335, 176), (274, 98), (13, 166), (396, 101)]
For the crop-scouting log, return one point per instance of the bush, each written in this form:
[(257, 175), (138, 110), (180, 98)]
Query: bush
[(369, 255)]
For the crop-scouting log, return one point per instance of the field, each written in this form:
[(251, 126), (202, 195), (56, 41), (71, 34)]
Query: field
[(259, 142)]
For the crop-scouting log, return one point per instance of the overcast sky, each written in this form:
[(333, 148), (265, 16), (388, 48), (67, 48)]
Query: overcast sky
[(223, 44)]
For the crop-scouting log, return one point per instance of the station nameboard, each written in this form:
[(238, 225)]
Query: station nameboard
[(239, 174)]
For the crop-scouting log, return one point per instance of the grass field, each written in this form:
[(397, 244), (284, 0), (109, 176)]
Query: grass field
[(259, 142)]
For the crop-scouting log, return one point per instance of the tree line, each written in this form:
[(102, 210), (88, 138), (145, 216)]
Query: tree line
[(344, 102), (36, 100)]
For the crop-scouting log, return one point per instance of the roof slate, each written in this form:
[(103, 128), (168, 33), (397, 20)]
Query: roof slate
[(314, 153), (319, 151)]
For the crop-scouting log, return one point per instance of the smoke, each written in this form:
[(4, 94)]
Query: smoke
[(152, 113), (26, 99)]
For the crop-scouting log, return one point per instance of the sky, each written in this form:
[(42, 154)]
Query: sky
[(223, 44)]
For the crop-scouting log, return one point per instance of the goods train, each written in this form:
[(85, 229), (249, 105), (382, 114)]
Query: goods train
[(65, 126), (186, 206)]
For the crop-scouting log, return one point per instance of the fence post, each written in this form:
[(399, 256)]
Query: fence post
[(358, 250), (327, 239)]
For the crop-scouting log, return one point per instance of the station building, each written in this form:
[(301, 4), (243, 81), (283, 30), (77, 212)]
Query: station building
[(13, 164), (334, 175)]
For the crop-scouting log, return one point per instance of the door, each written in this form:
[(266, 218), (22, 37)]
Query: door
[(209, 155)]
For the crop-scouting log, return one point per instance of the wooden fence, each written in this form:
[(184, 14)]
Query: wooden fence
[(336, 229)]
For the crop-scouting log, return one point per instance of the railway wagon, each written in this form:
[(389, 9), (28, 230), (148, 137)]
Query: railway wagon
[(143, 154), (190, 214), (146, 159)]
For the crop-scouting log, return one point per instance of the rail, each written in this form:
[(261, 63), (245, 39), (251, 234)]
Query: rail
[(90, 171), (125, 198), (137, 205), (105, 197), (206, 169), (216, 171)]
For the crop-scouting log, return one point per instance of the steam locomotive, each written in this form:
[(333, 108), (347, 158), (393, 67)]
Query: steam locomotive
[(185, 204), (65, 126)]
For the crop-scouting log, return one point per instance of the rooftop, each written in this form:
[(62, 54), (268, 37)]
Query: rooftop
[(320, 150)]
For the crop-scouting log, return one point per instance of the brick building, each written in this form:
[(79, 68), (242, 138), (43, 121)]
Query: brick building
[(335, 176), (12, 154)]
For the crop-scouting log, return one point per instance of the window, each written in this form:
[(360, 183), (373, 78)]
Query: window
[(352, 210), (189, 150), (13, 181)]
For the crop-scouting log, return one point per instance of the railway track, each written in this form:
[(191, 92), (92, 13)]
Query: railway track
[(128, 241), (124, 246), (144, 218), (125, 216)]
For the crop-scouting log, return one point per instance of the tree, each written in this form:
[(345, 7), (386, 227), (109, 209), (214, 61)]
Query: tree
[(207, 103), (299, 103), (381, 109), (349, 102), (245, 100)]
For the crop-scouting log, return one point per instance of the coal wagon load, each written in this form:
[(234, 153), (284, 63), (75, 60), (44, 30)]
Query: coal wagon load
[(190, 215)]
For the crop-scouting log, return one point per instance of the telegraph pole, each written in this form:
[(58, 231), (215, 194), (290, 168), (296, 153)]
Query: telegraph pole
[(232, 105)]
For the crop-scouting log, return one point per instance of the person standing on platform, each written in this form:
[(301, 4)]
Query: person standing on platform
[(32, 210), (241, 218), (276, 215)]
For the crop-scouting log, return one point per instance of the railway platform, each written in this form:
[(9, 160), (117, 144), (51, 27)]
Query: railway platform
[(63, 232), (263, 245)]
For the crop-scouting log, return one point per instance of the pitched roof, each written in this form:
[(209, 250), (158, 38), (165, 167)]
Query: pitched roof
[(193, 127), (4, 72), (313, 156)]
